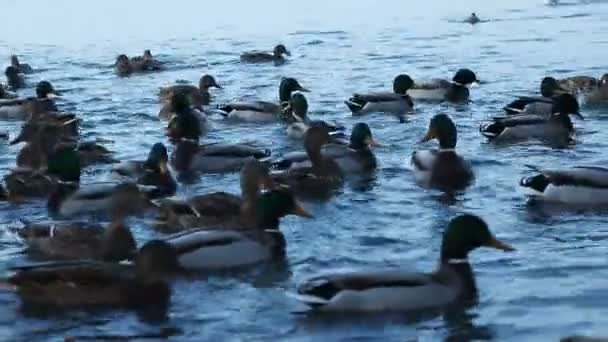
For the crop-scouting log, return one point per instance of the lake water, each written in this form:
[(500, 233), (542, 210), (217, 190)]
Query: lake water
[(553, 286)]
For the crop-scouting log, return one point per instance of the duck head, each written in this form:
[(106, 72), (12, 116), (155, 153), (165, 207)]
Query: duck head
[(276, 204), (15, 61), (465, 77), (443, 129), (298, 107), (402, 83), (549, 87), (466, 233), (315, 138), (157, 159), (12, 77), (64, 163), (254, 177), (280, 50), (147, 55), (156, 262), (45, 89), (361, 137), (123, 65), (289, 85), (208, 81)]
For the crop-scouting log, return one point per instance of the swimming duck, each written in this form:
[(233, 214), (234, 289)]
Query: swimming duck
[(298, 107), (22, 109), (354, 158), (184, 121), (218, 207), (472, 19), (594, 91), (153, 171), (23, 68), (263, 57), (442, 169), (398, 102), (453, 282), (556, 129), (14, 78), (580, 185), (230, 248), (261, 111), (549, 89), (79, 240), (89, 283), (322, 178), (443, 90), (198, 97), (122, 66), (146, 62)]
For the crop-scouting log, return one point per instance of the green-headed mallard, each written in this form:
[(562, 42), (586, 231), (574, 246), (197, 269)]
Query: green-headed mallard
[(199, 96), (23, 109), (88, 283), (264, 57), (298, 108), (23, 68), (398, 102), (262, 111), (229, 248), (398, 290), (442, 169), (443, 90)]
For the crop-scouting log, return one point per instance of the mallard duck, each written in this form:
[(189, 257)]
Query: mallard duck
[(14, 78), (556, 129), (442, 169), (472, 19), (222, 249), (79, 240), (322, 178), (153, 171), (199, 97), (398, 102), (593, 91), (397, 290), (263, 57), (580, 185), (218, 207), (443, 90), (23, 68), (122, 66), (354, 158), (23, 109), (549, 89), (298, 107), (89, 283), (184, 121), (261, 111)]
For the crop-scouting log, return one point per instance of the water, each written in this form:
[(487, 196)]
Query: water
[(551, 287)]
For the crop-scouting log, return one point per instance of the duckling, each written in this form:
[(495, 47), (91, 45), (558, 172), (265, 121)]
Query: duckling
[(398, 102), (153, 171), (146, 62), (556, 129), (580, 185), (453, 282), (122, 66), (79, 240), (442, 169), (14, 78), (322, 178), (443, 90), (549, 89), (298, 107), (89, 283), (184, 121), (23, 68), (199, 97), (354, 158), (264, 57), (22, 109), (219, 207), (232, 248), (261, 111)]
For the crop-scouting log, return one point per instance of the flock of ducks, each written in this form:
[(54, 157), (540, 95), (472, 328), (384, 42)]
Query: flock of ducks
[(218, 231)]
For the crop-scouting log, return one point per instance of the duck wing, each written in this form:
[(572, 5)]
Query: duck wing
[(590, 176), (524, 103), (234, 150), (290, 159), (499, 124), (217, 204), (377, 97), (431, 84), (255, 106), (191, 240)]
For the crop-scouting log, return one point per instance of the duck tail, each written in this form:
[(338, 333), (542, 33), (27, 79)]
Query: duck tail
[(353, 106), (491, 130)]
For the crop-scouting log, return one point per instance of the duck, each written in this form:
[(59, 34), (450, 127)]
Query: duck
[(472, 19), (213, 209), (234, 248), (14, 78), (578, 185), (79, 240), (593, 91), (198, 96), (145, 62), (184, 121), (556, 129), (298, 107), (549, 89), (122, 66), (322, 178), (23, 109), (442, 169), (385, 290), (263, 57), (398, 102), (23, 68), (261, 111), (442, 90), (153, 172), (356, 157), (35, 152), (86, 283)]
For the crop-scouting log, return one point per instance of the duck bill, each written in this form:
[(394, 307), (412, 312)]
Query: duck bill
[(218, 86), (304, 90), (288, 53), (53, 95), (430, 135), (373, 143), (495, 243), (299, 211)]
